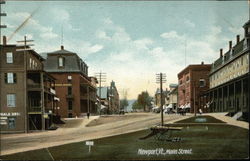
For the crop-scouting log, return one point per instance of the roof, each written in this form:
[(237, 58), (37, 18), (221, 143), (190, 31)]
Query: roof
[(104, 92), (62, 51), (195, 67), (247, 24), (73, 63)]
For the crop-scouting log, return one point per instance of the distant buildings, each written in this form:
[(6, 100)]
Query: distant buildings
[(229, 79), (173, 96), (77, 91), (27, 92), (193, 81), (158, 97), (109, 98)]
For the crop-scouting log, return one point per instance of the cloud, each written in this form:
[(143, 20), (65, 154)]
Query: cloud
[(172, 35), (93, 49)]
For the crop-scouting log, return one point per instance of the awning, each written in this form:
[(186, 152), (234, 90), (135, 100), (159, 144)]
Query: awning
[(103, 107)]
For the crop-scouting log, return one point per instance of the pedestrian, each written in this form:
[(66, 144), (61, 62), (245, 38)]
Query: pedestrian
[(88, 115), (200, 111)]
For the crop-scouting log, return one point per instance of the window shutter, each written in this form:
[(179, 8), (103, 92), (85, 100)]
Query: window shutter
[(15, 79), (5, 77), (63, 61)]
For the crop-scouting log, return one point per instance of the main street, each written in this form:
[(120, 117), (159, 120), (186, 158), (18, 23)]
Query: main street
[(13, 143)]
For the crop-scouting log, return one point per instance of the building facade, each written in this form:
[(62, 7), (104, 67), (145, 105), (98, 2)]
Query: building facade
[(27, 92), (173, 95), (76, 91), (229, 79), (109, 98), (193, 82)]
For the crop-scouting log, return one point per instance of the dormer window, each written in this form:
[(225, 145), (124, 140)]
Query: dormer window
[(61, 62)]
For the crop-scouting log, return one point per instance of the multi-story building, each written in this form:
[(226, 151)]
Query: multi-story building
[(27, 92), (164, 97), (229, 78), (109, 98), (77, 91), (114, 98), (173, 95), (193, 82)]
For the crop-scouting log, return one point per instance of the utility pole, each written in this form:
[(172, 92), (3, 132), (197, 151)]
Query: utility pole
[(194, 100), (25, 80), (1, 14), (102, 78), (161, 78)]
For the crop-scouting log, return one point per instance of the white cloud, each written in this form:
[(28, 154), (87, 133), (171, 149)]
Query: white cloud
[(102, 35), (93, 49), (172, 35), (143, 43)]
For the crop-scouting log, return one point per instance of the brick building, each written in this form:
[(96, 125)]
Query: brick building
[(193, 82), (229, 79), (27, 95), (77, 91)]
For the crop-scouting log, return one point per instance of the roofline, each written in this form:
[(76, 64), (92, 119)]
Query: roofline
[(193, 65)]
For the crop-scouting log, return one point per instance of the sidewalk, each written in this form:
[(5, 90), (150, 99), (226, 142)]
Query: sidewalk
[(60, 129), (229, 120)]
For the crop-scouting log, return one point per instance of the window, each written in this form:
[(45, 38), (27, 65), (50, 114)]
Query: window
[(10, 78), (30, 62), (11, 100), (69, 78), (69, 90), (11, 122), (187, 79), (202, 83), (60, 61), (180, 81), (70, 105), (9, 57)]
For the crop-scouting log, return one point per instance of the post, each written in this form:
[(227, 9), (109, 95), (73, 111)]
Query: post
[(162, 123), (194, 101), (100, 88), (88, 98), (42, 102), (25, 88)]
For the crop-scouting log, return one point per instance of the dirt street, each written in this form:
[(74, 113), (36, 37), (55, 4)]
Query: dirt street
[(13, 143)]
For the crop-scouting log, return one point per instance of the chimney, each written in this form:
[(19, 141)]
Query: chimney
[(237, 39), (202, 63), (62, 47), (221, 53), (230, 45), (4, 40)]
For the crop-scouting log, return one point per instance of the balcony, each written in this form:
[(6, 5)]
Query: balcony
[(34, 86)]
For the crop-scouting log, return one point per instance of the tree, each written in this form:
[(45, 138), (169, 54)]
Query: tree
[(136, 105), (123, 103), (144, 100)]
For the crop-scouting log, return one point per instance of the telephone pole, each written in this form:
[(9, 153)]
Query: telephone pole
[(1, 14), (161, 78), (101, 78)]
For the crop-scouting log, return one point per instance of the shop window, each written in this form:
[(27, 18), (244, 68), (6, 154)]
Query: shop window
[(11, 100), (12, 123), (70, 115), (9, 57)]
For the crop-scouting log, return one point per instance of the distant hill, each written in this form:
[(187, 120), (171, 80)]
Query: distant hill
[(130, 103)]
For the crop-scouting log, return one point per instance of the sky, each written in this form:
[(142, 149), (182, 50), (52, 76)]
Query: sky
[(130, 41)]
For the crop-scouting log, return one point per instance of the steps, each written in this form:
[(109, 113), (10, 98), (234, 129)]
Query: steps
[(237, 115)]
